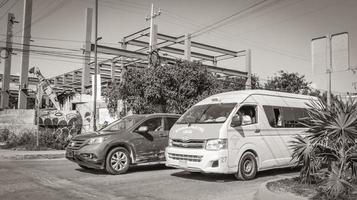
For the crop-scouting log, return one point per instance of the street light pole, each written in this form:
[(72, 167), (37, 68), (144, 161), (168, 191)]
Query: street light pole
[(95, 68), (329, 69)]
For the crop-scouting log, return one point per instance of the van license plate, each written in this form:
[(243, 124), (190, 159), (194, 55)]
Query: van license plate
[(183, 163)]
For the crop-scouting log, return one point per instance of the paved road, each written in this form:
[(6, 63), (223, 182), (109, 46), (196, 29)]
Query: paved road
[(62, 179)]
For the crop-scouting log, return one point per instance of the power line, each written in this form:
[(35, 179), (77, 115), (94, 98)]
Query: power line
[(42, 46), (3, 3), (13, 5), (216, 24)]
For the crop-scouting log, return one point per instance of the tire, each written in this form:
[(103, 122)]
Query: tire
[(84, 167), (247, 167), (117, 161)]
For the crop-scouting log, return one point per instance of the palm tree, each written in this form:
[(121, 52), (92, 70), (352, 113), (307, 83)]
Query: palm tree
[(331, 142)]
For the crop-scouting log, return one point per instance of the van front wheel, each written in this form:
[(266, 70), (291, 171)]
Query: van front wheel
[(247, 167)]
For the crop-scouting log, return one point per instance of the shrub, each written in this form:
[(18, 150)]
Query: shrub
[(331, 142), (48, 138)]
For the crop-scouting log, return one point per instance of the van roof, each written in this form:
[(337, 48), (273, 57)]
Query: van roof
[(240, 95)]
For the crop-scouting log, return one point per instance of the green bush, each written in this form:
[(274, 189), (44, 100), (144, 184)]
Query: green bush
[(4, 135), (48, 139)]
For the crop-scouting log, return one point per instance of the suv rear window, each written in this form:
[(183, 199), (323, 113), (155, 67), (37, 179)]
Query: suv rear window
[(169, 122)]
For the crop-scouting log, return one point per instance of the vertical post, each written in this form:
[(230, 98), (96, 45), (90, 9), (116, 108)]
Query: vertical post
[(329, 70), (123, 74), (112, 71), (74, 77), (215, 62), (64, 78), (5, 93), (122, 64), (95, 67), (153, 31), (248, 67), (26, 36), (55, 81), (188, 47), (87, 50), (37, 105), (151, 42)]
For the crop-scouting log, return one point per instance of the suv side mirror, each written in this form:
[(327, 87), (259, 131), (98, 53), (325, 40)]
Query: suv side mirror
[(236, 120), (142, 129)]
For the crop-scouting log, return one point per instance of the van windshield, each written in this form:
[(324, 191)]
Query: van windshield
[(209, 113), (123, 124)]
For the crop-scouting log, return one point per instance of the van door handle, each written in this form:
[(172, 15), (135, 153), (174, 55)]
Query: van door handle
[(257, 130)]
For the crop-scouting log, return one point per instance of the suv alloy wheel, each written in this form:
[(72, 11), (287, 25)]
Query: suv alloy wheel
[(117, 161)]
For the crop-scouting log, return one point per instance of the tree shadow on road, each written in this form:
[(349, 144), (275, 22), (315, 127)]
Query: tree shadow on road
[(220, 178), (229, 177), (92, 171), (275, 172), (132, 169), (143, 168)]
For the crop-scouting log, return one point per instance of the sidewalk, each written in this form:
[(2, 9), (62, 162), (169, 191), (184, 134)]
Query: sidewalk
[(6, 154)]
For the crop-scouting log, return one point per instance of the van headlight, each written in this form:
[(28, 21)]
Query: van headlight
[(216, 144), (96, 140)]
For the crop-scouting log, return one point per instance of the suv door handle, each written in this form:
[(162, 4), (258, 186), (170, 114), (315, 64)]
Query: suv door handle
[(257, 130)]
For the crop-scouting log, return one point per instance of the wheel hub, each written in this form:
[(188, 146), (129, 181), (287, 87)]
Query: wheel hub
[(118, 161)]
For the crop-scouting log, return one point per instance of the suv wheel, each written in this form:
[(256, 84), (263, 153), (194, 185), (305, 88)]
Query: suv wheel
[(117, 161)]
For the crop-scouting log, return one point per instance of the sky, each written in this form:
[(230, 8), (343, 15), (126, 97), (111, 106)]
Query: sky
[(279, 32)]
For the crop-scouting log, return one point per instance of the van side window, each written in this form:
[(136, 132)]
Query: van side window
[(285, 117), (249, 114)]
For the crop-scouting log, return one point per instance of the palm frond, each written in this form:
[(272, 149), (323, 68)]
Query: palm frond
[(336, 186)]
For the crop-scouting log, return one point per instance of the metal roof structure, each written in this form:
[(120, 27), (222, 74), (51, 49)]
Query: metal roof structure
[(110, 69), (134, 51)]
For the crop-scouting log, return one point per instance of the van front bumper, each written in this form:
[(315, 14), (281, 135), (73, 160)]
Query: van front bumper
[(197, 160)]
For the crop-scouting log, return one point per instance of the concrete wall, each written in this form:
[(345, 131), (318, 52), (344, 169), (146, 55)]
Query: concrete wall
[(18, 120)]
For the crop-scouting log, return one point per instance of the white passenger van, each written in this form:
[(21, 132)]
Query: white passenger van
[(240, 133)]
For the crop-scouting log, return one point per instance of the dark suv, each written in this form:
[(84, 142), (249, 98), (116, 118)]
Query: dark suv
[(132, 140)]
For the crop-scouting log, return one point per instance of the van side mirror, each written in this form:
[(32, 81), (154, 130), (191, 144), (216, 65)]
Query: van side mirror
[(142, 129), (236, 120)]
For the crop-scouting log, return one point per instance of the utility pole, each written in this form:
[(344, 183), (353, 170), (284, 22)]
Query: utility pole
[(95, 67), (153, 30), (187, 47), (26, 37), (7, 66), (87, 50), (329, 69), (248, 66)]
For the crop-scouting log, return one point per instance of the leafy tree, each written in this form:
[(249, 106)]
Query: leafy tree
[(289, 82), (164, 88)]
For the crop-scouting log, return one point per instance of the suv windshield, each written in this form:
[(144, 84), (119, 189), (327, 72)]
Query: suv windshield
[(209, 113), (123, 124)]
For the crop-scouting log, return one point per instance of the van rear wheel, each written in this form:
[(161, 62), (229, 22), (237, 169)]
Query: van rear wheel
[(247, 167), (117, 161)]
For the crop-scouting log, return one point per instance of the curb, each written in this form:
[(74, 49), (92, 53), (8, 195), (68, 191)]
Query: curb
[(32, 156), (264, 193)]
